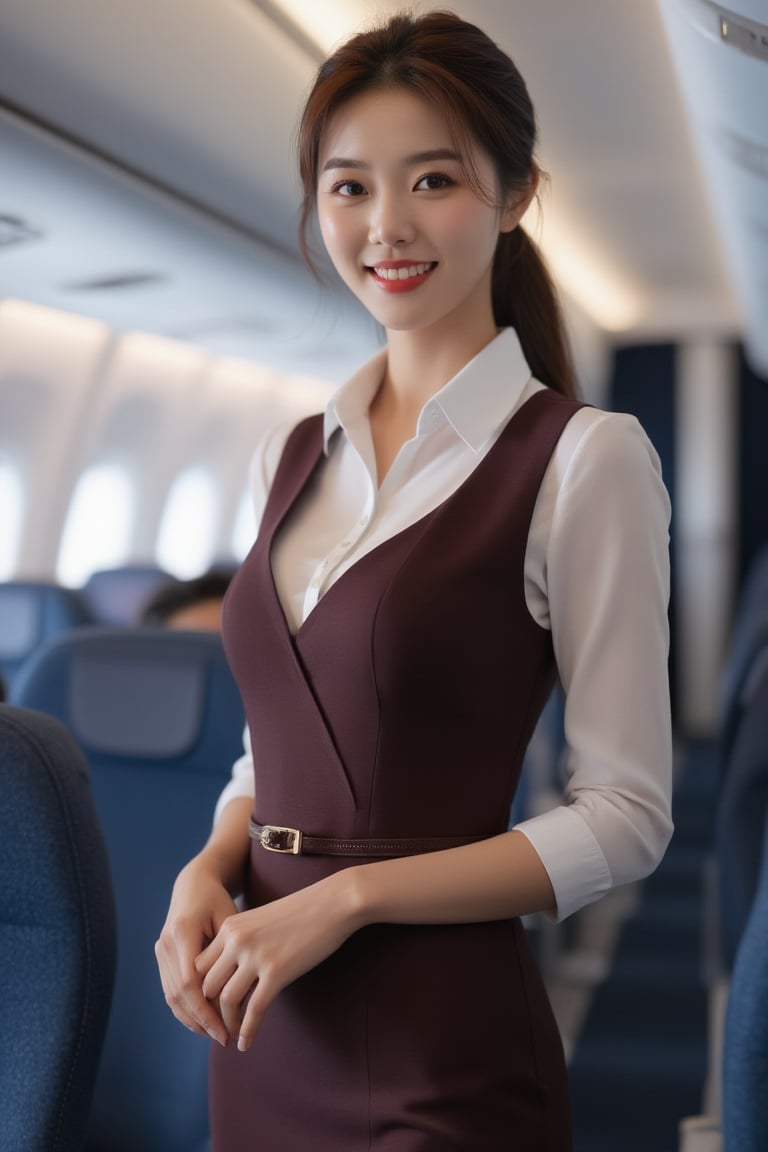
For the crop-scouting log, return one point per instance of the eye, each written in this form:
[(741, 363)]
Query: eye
[(434, 182), (348, 188)]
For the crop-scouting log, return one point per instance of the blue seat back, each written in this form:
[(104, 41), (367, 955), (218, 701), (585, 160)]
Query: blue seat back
[(741, 813), (749, 635), (745, 1052), (116, 596), (57, 936), (160, 720), (31, 612)]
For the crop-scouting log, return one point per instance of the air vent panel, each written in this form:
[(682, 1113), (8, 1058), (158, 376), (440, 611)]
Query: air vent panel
[(15, 231), (747, 154), (118, 282)]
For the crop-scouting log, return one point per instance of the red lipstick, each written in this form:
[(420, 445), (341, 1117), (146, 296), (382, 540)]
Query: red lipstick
[(401, 275)]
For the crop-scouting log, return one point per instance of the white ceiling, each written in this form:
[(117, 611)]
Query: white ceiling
[(198, 99)]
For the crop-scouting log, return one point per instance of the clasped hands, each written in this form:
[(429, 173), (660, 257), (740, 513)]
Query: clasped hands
[(220, 969)]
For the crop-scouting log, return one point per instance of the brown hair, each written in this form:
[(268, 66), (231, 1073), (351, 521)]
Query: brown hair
[(455, 66)]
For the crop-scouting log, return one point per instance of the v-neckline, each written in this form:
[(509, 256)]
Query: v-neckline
[(417, 525)]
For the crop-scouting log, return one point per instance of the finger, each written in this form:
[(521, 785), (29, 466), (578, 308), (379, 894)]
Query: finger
[(259, 1000), (205, 959), (183, 993), (233, 1000), (214, 980)]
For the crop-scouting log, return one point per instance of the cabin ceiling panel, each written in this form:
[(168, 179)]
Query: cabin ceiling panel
[(191, 93), (195, 95), (109, 246)]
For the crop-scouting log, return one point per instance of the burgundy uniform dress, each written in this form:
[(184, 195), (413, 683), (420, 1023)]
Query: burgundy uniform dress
[(401, 708)]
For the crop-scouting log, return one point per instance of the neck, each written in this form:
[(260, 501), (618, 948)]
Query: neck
[(420, 363)]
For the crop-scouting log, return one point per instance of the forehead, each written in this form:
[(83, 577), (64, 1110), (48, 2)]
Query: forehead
[(382, 123)]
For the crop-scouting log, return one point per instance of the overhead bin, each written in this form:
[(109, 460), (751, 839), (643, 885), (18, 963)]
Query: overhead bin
[(721, 57)]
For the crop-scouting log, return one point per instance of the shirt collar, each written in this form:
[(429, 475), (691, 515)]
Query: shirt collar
[(351, 401), (476, 401)]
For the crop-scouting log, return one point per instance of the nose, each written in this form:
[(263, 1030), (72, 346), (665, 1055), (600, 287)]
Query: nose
[(390, 222)]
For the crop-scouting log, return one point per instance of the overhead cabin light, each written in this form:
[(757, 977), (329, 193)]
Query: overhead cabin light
[(603, 293), (719, 24), (28, 320), (746, 35), (317, 28), (172, 360)]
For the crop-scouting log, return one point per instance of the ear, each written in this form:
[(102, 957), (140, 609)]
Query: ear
[(520, 202)]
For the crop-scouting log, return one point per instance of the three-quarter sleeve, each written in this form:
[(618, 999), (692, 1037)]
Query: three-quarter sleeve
[(241, 781), (606, 576)]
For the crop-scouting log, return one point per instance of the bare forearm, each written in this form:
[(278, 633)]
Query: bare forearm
[(227, 848), (490, 880), (253, 955)]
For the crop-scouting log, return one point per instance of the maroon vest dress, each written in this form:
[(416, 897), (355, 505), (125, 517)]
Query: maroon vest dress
[(401, 708)]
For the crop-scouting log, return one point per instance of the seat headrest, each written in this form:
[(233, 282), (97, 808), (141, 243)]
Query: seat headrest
[(136, 694), (20, 622), (141, 703), (117, 595), (33, 610)]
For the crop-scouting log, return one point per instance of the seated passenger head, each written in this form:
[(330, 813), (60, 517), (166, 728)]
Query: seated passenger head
[(193, 605)]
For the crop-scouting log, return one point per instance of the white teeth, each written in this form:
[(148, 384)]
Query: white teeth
[(402, 273)]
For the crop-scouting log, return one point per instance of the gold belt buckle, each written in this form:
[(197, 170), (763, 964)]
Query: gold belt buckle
[(277, 839)]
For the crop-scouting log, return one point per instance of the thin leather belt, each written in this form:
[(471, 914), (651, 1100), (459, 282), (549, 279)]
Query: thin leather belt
[(294, 842)]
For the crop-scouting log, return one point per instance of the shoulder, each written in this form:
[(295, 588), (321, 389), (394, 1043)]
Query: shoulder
[(267, 455), (605, 447), (595, 444)]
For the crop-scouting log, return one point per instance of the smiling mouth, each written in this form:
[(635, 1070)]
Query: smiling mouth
[(402, 272), (394, 278)]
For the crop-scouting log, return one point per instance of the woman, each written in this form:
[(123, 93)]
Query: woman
[(453, 532)]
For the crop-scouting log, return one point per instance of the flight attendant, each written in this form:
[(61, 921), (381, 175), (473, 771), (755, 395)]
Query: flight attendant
[(454, 533)]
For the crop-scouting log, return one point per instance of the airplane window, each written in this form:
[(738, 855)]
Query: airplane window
[(11, 503), (186, 540), (98, 527), (244, 532)]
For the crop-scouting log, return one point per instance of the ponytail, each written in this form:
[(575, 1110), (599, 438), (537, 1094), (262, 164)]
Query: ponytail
[(524, 298)]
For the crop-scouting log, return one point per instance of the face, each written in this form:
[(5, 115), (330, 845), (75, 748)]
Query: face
[(405, 230), (204, 616)]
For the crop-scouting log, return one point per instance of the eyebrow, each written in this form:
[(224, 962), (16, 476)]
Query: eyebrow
[(416, 158)]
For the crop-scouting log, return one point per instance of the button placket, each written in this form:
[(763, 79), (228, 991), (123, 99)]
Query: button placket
[(335, 558)]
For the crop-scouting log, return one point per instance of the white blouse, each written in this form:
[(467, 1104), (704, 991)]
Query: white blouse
[(596, 574)]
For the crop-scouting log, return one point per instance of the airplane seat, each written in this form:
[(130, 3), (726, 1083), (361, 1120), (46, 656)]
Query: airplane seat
[(160, 720), (745, 1055), (31, 611), (57, 935), (741, 873), (749, 634), (741, 811), (116, 596), (746, 655)]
